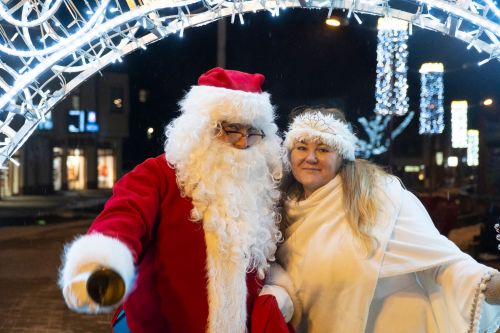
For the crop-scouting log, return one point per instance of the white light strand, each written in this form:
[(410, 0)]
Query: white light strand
[(472, 147), (392, 52), (459, 124), (431, 99), (59, 44), (375, 129)]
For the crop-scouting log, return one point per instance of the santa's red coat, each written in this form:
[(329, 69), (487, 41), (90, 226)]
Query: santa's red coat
[(149, 215)]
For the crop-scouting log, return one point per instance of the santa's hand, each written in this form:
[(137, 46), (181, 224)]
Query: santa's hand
[(97, 273), (76, 294), (282, 298)]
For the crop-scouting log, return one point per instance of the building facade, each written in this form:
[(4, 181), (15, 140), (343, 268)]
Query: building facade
[(79, 146)]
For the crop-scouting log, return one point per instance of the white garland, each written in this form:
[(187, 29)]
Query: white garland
[(49, 47)]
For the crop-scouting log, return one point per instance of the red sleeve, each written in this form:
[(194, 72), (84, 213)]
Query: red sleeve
[(131, 212), (267, 317)]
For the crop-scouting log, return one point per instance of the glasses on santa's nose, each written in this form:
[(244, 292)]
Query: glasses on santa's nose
[(235, 133)]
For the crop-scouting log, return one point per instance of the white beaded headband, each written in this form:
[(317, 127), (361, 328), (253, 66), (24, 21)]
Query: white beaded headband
[(325, 128)]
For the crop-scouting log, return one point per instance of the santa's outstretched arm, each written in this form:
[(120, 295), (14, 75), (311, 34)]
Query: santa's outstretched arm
[(117, 237)]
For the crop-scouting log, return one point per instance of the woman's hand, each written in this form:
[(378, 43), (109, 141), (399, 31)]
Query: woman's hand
[(492, 292), (282, 298)]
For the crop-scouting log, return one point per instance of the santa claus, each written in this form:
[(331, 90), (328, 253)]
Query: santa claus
[(192, 231)]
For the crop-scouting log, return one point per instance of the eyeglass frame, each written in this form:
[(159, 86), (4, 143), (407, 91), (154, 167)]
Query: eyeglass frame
[(247, 135)]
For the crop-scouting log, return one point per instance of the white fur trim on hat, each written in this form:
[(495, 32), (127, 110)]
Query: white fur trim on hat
[(101, 250), (235, 106), (327, 129)]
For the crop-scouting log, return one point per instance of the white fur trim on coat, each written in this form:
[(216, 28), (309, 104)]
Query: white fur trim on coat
[(101, 250), (234, 106)]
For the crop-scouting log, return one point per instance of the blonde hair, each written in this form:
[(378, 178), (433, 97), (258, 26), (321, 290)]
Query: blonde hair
[(358, 178)]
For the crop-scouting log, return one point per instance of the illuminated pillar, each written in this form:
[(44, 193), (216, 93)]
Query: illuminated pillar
[(459, 124), (431, 99), (392, 53), (472, 147)]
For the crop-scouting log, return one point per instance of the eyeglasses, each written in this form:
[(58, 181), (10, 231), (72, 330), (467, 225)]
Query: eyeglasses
[(234, 133)]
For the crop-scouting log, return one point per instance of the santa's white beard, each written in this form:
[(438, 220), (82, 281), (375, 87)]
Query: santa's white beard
[(234, 193)]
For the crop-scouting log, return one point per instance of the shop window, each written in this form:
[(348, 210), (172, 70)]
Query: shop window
[(105, 168), (75, 164), (10, 179)]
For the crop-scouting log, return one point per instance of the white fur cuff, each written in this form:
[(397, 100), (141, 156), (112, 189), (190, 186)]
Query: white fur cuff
[(100, 250)]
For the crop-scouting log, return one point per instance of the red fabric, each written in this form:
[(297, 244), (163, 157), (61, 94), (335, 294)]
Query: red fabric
[(444, 213), (235, 80), (148, 214), (267, 317)]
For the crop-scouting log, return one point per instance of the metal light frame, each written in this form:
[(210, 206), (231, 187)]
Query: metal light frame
[(48, 48)]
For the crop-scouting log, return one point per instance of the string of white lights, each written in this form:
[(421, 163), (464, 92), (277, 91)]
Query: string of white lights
[(49, 47), (472, 147), (378, 141), (431, 99), (392, 53)]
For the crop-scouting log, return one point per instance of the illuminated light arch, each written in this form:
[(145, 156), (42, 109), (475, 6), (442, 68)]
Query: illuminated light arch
[(48, 48)]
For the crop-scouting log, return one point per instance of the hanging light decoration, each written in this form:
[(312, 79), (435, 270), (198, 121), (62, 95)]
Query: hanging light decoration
[(459, 124), (472, 147), (392, 54), (431, 99)]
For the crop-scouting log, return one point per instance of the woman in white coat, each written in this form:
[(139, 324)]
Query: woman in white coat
[(361, 253)]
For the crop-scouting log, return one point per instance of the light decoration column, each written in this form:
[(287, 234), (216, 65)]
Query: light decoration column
[(472, 147), (392, 54), (431, 98), (459, 124)]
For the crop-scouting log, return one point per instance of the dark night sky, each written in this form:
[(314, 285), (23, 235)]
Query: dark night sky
[(305, 62)]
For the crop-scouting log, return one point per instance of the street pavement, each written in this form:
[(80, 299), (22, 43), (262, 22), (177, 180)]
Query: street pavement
[(30, 300), (29, 209)]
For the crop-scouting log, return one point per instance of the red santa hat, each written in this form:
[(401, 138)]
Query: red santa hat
[(229, 95)]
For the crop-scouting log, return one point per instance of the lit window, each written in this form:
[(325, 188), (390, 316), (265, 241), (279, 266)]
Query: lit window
[(143, 95), (116, 99)]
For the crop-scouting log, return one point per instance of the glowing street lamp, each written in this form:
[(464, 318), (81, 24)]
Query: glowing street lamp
[(333, 22), (150, 132), (487, 102)]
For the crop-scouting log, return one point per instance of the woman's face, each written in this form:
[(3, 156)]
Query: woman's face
[(314, 164)]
